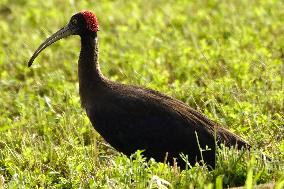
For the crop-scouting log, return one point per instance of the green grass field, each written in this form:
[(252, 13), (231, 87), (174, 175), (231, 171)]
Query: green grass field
[(224, 58)]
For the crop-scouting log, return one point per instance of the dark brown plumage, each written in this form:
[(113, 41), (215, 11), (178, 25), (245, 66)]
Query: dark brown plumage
[(131, 117)]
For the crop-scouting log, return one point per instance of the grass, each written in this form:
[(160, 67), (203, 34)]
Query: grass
[(224, 58)]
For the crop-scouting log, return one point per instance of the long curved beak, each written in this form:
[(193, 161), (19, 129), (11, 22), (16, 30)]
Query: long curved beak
[(64, 32)]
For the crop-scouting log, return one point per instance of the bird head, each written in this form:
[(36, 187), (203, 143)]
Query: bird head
[(82, 23)]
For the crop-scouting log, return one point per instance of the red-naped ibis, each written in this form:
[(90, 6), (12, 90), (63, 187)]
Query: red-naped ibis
[(131, 117)]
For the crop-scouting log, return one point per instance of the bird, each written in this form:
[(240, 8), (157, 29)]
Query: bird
[(131, 117)]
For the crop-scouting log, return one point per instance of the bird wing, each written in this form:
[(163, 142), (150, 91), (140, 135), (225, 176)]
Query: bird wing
[(201, 121), (130, 117)]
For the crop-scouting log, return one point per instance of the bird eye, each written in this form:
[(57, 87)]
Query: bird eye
[(74, 21)]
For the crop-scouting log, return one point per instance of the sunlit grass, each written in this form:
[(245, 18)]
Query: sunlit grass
[(223, 58)]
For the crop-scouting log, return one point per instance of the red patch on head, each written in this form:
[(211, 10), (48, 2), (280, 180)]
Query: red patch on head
[(92, 21)]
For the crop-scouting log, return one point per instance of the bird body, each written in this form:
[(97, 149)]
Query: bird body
[(130, 117)]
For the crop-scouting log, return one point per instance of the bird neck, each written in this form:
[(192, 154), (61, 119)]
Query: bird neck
[(89, 67), (91, 79)]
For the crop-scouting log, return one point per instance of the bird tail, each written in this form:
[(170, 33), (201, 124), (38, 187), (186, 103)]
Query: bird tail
[(231, 140)]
